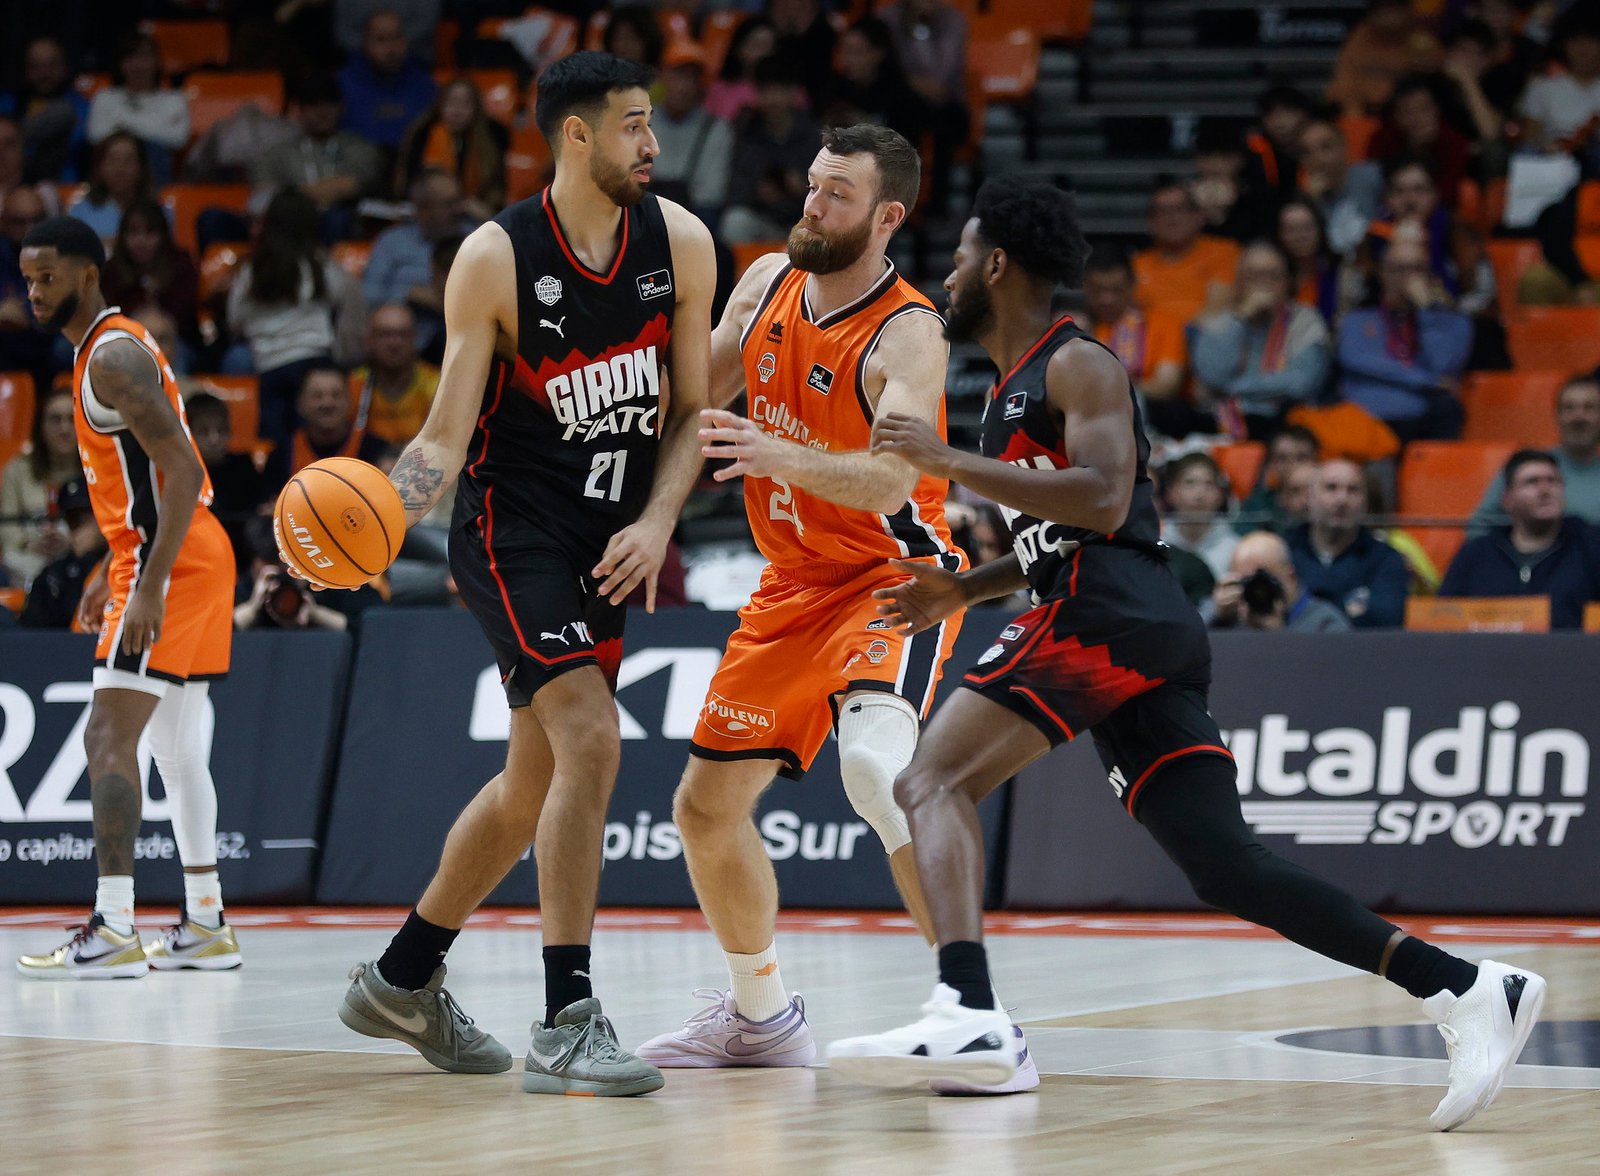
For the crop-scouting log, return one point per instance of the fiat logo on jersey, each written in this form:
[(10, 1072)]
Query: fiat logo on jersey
[(547, 290), (1016, 405), (736, 720), (767, 366)]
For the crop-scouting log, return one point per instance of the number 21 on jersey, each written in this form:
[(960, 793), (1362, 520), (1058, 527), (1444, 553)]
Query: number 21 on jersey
[(616, 461)]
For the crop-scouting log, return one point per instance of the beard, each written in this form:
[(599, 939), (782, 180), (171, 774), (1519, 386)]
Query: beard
[(821, 253), (965, 320), (617, 183), (62, 316)]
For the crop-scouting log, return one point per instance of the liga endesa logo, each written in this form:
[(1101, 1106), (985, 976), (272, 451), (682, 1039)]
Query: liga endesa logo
[(1479, 782)]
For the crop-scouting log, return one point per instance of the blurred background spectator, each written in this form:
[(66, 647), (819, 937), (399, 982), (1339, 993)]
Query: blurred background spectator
[(147, 267), (1337, 557), (118, 176), (32, 532), (456, 137), (135, 102)]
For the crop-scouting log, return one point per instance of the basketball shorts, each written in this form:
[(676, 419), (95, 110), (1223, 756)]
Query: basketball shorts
[(798, 649), (196, 639), (537, 604), (1121, 655)]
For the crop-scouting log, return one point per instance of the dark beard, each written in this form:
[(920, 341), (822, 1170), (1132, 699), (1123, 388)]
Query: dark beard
[(62, 316), (971, 317), (616, 183), (816, 253)]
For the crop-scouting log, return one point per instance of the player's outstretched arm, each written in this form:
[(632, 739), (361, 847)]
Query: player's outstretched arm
[(1088, 387), (125, 379), (905, 377), (480, 302)]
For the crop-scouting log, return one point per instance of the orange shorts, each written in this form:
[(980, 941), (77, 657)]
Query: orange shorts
[(197, 629), (798, 649)]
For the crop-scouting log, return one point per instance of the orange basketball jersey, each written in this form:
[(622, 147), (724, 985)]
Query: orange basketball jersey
[(803, 379), (124, 484)]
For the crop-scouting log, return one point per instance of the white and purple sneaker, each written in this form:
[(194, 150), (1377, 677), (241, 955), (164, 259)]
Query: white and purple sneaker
[(1026, 1078), (720, 1036)]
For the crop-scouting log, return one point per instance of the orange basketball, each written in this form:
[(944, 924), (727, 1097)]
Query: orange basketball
[(339, 522)]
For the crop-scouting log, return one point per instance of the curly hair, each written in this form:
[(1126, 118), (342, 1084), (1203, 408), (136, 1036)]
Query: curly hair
[(1036, 223)]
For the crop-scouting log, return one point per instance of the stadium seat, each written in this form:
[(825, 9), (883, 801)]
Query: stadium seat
[(242, 395), (527, 163), (559, 37), (87, 85), (716, 34), (214, 96), (1358, 130), (185, 202), (1478, 614), (1445, 479), (1511, 257), (1589, 207), (1000, 68), (13, 599), (1588, 247), (1481, 206), (1241, 462), (746, 252), (1063, 21), (185, 44), (445, 34), (16, 413), (70, 194), (220, 257), (1556, 338), (352, 256), (1519, 407), (1439, 543)]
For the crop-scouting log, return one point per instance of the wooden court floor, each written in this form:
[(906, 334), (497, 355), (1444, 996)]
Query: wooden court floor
[(1169, 1045)]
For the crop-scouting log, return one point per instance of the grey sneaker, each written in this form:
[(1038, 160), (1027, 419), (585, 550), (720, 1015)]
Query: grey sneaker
[(581, 1056), (428, 1019)]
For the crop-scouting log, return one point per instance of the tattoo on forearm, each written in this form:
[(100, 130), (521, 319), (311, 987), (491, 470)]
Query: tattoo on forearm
[(416, 480), (116, 802)]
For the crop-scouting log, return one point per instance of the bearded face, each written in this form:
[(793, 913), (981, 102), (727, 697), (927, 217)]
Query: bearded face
[(818, 252), (969, 310), (617, 181)]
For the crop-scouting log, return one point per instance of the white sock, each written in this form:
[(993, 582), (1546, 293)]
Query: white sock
[(113, 902), (758, 989), (202, 899)]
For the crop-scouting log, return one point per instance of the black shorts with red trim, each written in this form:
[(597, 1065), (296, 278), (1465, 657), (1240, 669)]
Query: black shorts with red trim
[(537, 604), (1120, 654)]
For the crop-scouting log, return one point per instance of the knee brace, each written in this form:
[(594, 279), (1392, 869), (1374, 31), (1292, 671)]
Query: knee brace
[(877, 734)]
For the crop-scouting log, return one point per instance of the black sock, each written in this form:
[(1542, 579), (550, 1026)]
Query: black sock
[(416, 951), (964, 966), (1423, 969), (566, 978)]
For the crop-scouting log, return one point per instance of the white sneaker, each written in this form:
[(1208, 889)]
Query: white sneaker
[(1484, 1029), (1026, 1078), (95, 952), (720, 1035), (951, 1041)]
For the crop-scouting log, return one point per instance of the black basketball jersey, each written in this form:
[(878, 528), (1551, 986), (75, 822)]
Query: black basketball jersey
[(1020, 427), (567, 438)]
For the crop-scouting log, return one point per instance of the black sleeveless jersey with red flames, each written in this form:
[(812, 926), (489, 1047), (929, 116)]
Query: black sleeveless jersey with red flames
[(1020, 427), (567, 438)]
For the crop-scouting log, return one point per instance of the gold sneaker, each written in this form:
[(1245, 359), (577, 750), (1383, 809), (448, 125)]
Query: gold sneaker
[(190, 945), (95, 952)]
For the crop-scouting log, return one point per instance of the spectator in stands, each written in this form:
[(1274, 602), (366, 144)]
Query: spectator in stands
[(275, 600), (1261, 590), (1577, 457), (1316, 275), (805, 39), (634, 34), (295, 308), (1195, 496), (118, 176), (1541, 551), (394, 388), (734, 91), (147, 266), (772, 152), (1265, 354), (1231, 209), (1389, 43), (418, 19), (1274, 147), (1183, 273), (229, 151), (31, 534), (384, 91), (53, 114), (696, 146), (53, 597), (1414, 127), (1561, 111), (11, 167), (239, 486), (136, 103), (1411, 198), (868, 85), (1514, 57), (930, 40), (402, 255), (457, 137), (21, 346), (334, 168), (1402, 360), (164, 329), (1150, 345), (1349, 195), (426, 303), (1475, 100), (328, 427), (1278, 500), (1340, 560)]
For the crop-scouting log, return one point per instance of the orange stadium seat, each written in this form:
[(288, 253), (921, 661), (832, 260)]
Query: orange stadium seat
[(352, 256), (1445, 479), (527, 163), (16, 413), (445, 34), (1589, 207), (1001, 67), (1519, 407), (1241, 462), (560, 36), (185, 202), (1482, 207), (185, 44), (220, 257), (14, 599), (716, 34), (1478, 614), (214, 96), (1511, 257), (1054, 20), (242, 395), (90, 84), (747, 251), (1588, 247), (1556, 338), (1358, 130)]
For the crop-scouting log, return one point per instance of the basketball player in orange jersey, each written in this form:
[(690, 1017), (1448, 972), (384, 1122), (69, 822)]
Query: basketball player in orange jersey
[(162, 602), (573, 466), (822, 340)]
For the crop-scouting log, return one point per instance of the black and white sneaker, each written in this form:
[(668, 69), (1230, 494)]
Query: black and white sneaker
[(951, 1042), (1484, 1030)]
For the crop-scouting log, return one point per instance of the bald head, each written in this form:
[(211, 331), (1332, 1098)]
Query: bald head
[(1263, 551)]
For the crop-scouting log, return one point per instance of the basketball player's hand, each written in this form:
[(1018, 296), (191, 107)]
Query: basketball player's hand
[(141, 620), (634, 556), (739, 440), (931, 595), (914, 441), (92, 604)]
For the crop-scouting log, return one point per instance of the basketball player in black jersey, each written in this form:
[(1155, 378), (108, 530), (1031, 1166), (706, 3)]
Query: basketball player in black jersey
[(1112, 649), (573, 465)]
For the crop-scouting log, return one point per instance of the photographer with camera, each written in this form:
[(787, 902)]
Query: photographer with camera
[(1262, 591), (278, 601)]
